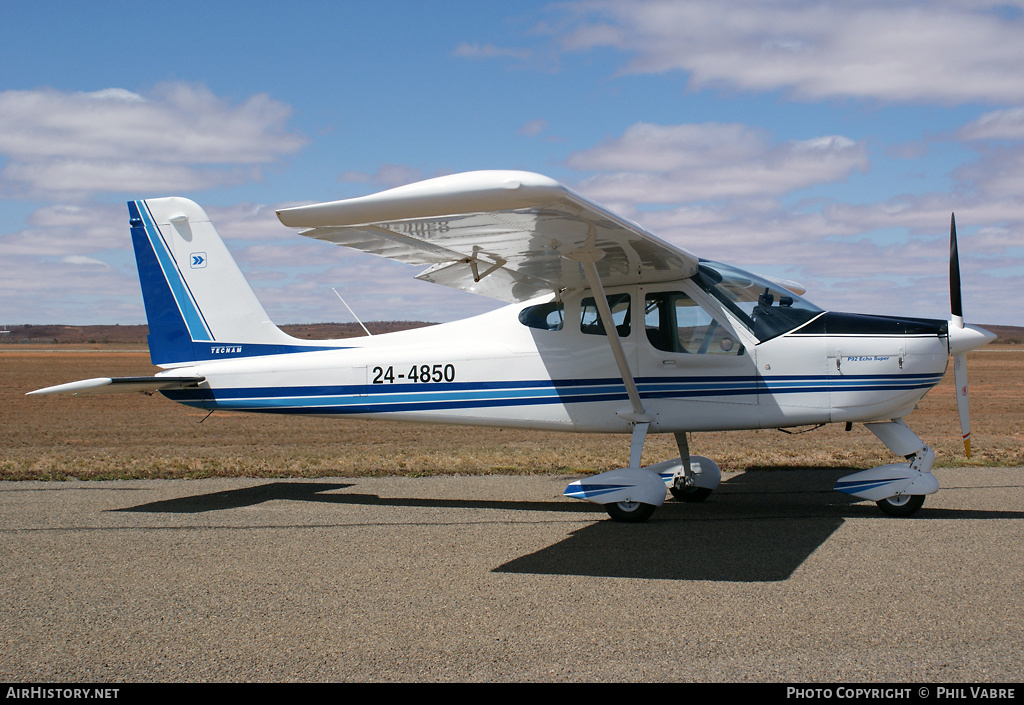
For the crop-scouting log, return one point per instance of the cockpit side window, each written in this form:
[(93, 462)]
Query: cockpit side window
[(549, 316), (675, 323), (590, 319)]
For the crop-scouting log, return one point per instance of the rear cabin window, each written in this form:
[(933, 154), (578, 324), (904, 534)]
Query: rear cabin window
[(549, 316)]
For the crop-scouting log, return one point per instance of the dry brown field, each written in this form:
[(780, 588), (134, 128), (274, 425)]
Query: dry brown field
[(138, 436)]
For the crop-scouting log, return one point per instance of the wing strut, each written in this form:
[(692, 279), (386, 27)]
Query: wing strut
[(639, 417), (594, 280)]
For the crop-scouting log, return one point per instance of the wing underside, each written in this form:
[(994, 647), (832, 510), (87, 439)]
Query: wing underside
[(511, 236)]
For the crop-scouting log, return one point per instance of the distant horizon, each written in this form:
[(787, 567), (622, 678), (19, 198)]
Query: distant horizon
[(307, 323), (346, 323)]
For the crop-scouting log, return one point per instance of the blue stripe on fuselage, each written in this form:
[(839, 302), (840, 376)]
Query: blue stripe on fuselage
[(371, 398)]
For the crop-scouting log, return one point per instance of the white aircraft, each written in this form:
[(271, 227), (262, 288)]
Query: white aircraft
[(609, 329)]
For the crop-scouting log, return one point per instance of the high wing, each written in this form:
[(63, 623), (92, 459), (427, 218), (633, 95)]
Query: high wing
[(508, 235)]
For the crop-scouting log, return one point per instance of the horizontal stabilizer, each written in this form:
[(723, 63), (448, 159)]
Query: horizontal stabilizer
[(110, 385)]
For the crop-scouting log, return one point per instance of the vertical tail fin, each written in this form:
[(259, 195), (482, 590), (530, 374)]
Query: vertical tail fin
[(198, 303)]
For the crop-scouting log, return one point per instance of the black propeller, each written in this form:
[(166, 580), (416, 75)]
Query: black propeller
[(955, 300), (957, 321)]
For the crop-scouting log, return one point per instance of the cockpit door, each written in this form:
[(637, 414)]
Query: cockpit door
[(690, 353)]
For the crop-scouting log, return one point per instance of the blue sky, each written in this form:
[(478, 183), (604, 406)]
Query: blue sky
[(821, 142)]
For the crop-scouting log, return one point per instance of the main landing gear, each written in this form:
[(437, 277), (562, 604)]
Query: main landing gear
[(692, 480), (632, 512), (697, 478), (632, 494), (689, 494), (901, 505)]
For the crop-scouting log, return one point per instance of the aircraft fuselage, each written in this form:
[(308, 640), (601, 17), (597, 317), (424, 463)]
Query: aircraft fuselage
[(496, 370)]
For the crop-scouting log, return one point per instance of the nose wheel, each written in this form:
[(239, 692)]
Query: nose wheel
[(632, 512), (901, 505)]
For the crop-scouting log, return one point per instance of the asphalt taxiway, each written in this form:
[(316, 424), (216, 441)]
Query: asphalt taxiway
[(775, 578)]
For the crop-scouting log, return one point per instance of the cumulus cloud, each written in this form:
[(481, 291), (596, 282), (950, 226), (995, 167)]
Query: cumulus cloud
[(387, 175), (465, 50), (68, 231), (533, 128), (178, 137), (249, 222), (946, 51), (37, 290), (679, 163), (1005, 124), (84, 261)]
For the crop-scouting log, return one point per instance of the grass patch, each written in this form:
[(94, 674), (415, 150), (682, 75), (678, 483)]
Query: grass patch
[(138, 437)]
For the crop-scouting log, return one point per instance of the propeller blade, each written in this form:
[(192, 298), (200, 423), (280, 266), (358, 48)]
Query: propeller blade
[(960, 375), (956, 307), (956, 311), (961, 338)]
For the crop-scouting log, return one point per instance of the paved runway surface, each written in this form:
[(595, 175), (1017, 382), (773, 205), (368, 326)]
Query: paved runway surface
[(500, 578)]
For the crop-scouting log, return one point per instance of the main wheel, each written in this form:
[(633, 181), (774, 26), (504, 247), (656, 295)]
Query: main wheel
[(690, 494), (634, 512), (901, 505)]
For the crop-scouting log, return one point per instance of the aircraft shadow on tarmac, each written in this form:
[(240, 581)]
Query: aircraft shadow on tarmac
[(757, 527)]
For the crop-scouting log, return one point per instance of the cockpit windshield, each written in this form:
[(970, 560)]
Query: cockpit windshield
[(767, 309)]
